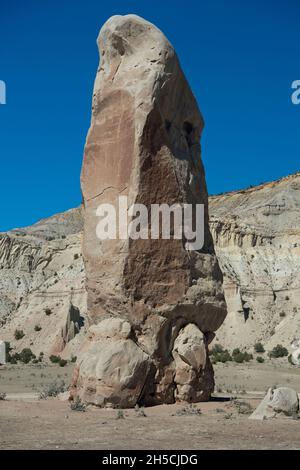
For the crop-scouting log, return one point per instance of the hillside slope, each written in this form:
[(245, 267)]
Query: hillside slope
[(42, 284), (257, 240)]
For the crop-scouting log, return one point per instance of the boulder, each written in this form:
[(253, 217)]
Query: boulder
[(113, 369), (278, 401), (295, 357), (144, 144)]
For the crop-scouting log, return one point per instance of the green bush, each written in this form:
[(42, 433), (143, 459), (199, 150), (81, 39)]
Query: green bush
[(223, 357), (26, 355), (77, 405), (278, 351), (260, 359), (54, 359), (19, 334), (239, 356), (217, 348), (52, 390), (258, 347)]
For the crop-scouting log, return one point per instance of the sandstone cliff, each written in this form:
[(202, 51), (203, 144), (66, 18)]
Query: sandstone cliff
[(42, 284), (257, 239)]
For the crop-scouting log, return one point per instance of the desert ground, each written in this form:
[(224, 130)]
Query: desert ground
[(28, 422)]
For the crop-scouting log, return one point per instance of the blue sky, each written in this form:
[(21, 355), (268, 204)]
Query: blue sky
[(240, 58)]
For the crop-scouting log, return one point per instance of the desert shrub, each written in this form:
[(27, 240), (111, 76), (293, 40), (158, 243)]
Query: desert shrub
[(236, 351), (54, 359), (41, 357), (37, 328), (77, 405), (76, 256), (290, 359), (8, 350), (278, 351), (239, 356), (52, 390), (260, 359), (2, 396), (224, 356), (120, 414), (282, 314), (12, 359), (140, 412), (48, 311), (26, 355), (62, 362), (243, 407), (73, 358), (258, 347), (19, 334), (219, 354), (217, 348), (189, 410)]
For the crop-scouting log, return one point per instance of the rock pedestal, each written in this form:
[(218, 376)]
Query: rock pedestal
[(153, 305)]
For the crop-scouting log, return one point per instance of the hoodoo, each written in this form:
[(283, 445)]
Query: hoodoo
[(153, 305)]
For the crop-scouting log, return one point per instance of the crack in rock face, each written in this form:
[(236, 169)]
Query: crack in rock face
[(153, 306)]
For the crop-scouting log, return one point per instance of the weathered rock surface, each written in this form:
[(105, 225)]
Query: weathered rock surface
[(144, 144), (295, 355), (112, 368), (41, 280), (257, 240), (278, 401)]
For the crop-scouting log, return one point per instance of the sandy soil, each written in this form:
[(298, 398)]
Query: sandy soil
[(29, 423)]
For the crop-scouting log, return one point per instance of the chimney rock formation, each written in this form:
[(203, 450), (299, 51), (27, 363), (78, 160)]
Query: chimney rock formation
[(153, 306)]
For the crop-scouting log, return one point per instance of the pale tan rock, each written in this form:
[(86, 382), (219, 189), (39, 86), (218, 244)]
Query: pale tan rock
[(113, 369), (41, 275), (190, 346), (278, 401), (257, 241), (144, 143)]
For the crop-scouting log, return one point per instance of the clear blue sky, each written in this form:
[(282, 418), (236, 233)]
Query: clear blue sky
[(239, 56)]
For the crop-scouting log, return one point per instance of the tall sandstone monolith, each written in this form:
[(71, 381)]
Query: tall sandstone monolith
[(153, 304)]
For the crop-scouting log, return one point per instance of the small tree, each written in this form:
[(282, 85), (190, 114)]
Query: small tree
[(239, 356), (19, 334), (260, 359), (26, 355), (217, 348), (54, 359), (258, 347), (278, 351)]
